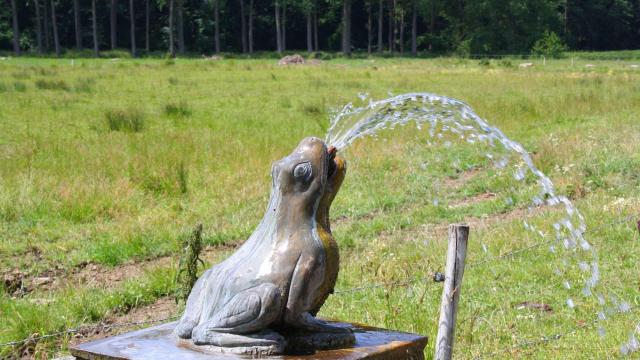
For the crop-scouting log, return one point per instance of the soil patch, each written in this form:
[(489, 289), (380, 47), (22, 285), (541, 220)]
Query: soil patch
[(18, 283)]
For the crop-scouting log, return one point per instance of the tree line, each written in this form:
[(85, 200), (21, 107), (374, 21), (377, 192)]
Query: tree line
[(374, 26)]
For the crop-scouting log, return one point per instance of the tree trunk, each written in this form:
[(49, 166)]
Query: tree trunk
[(462, 21), (315, 31), (16, 29), (390, 27), (77, 25), (380, 26), (565, 20), (309, 32), (38, 26), (401, 42), (47, 33), (94, 21), (147, 45), (284, 27), (132, 21), (54, 23), (432, 23), (181, 45), (369, 30), (278, 29), (243, 26), (216, 25), (114, 24), (172, 47), (414, 28), (346, 27), (395, 25), (250, 26)]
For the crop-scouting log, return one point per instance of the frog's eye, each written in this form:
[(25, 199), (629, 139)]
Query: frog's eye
[(303, 171)]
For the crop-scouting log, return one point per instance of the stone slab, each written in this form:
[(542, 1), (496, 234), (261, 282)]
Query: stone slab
[(158, 343)]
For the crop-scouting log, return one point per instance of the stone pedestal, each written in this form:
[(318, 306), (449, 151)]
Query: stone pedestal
[(158, 342)]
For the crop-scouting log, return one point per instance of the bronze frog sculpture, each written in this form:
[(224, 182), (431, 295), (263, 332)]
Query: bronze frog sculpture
[(279, 278)]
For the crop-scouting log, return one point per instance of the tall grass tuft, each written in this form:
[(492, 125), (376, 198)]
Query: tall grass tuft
[(312, 109), (21, 75), (188, 266), (183, 177), (19, 86), (43, 84), (127, 120), (85, 85), (181, 109)]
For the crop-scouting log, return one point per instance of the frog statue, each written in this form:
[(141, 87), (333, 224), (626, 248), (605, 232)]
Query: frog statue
[(276, 282)]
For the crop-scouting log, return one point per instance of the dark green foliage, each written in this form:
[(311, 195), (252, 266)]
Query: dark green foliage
[(550, 45), (457, 27), (188, 266), (180, 109), (127, 120), (505, 63), (19, 86), (115, 54)]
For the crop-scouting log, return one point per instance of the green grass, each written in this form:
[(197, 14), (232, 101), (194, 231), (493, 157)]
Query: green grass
[(112, 162)]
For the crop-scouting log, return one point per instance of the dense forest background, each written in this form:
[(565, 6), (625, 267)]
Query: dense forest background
[(392, 26)]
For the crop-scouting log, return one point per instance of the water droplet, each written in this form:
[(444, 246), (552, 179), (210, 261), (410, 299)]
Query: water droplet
[(624, 350), (601, 331), (585, 245), (624, 307), (570, 303)]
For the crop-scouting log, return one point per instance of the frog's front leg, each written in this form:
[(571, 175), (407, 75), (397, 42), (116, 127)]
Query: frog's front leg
[(303, 288), (242, 320)]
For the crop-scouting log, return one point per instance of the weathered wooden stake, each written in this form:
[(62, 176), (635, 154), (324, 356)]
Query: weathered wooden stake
[(456, 254)]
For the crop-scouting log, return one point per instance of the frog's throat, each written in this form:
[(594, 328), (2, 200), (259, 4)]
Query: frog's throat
[(333, 185)]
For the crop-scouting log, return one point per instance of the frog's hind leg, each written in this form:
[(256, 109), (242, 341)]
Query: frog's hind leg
[(243, 321)]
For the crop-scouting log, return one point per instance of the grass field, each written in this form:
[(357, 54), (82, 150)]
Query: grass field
[(106, 164)]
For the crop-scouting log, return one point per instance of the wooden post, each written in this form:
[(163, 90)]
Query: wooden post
[(456, 254)]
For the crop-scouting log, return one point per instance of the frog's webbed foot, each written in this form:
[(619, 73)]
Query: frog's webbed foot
[(265, 342), (240, 322)]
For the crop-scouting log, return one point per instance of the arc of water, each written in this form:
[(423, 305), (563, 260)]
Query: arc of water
[(454, 116)]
